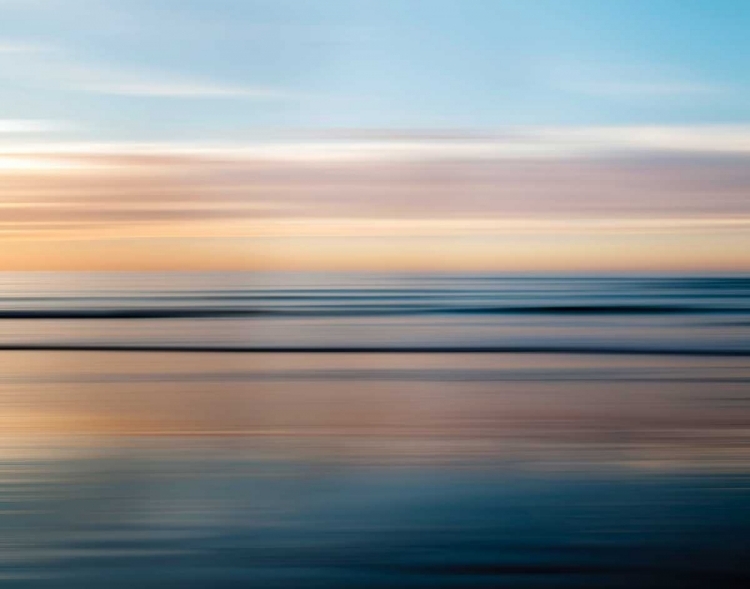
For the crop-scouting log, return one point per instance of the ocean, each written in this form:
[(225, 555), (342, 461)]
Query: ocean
[(374, 430)]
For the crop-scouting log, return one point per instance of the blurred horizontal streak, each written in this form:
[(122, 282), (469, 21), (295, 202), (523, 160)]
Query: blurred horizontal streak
[(197, 223), (28, 165), (512, 142), (115, 213), (553, 189), (409, 201), (698, 375), (595, 350), (14, 126)]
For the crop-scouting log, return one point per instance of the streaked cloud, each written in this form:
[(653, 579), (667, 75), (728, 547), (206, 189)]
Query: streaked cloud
[(556, 173), (651, 82), (649, 138), (56, 67), (649, 89), (177, 89), (32, 125), (512, 143), (337, 199)]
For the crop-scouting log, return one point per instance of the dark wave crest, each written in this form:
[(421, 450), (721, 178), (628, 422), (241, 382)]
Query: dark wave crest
[(355, 311), (587, 349)]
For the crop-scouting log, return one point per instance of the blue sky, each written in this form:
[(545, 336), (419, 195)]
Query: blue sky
[(174, 70)]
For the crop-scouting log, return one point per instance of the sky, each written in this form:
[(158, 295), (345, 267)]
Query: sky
[(523, 135)]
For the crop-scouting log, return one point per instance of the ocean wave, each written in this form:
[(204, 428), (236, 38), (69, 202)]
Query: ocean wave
[(587, 349), (175, 312)]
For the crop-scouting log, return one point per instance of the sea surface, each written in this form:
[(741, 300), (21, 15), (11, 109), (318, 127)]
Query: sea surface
[(384, 431)]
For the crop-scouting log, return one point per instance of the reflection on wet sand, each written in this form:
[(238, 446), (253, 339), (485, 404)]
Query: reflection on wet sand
[(648, 410)]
